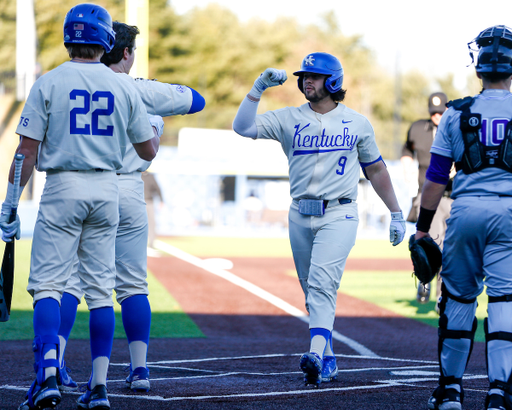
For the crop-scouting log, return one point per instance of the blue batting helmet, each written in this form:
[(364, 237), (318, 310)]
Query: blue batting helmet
[(322, 63), (494, 50), (89, 24)]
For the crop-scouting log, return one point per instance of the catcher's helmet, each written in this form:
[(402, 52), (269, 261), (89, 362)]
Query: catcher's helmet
[(89, 24), (322, 63), (494, 50)]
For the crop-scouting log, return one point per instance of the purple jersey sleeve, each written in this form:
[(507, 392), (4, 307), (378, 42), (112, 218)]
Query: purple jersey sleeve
[(439, 169)]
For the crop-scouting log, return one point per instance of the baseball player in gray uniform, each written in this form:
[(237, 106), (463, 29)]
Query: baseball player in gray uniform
[(325, 143), (475, 133), (76, 125), (131, 286)]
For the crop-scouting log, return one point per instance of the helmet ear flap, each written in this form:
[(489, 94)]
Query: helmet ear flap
[(300, 83), (333, 84)]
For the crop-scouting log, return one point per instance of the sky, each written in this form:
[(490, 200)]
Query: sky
[(429, 36)]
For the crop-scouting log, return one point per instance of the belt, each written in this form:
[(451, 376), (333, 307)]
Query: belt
[(504, 298), (95, 169), (340, 201), (332, 202), (129, 173)]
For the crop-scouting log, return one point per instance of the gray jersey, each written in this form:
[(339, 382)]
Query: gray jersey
[(323, 151), (94, 116), (496, 109), (160, 99)]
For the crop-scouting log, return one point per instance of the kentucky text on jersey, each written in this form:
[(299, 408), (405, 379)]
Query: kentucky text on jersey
[(322, 143)]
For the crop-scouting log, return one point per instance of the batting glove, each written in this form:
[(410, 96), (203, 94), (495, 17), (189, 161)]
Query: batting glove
[(270, 78), (157, 122), (9, 230), (396, 228)]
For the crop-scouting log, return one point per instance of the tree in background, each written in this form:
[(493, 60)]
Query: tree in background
[(212, 51)]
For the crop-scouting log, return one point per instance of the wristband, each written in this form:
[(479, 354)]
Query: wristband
[(255, 93), (425, 219), (397, 216)]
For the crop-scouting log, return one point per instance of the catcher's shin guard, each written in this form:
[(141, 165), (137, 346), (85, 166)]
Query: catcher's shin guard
[(498, 360), (455, 345)]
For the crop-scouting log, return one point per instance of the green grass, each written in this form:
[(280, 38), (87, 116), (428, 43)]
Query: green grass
[(167, 320), (226, 247), (392, 290), (396, 291)]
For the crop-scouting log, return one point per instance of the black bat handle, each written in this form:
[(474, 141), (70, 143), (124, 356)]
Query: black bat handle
[(12, 216)]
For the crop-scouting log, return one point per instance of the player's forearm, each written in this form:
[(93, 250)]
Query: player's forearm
[(245, 121), (147, 150), (29, 148), (431, 194), (430, 197)]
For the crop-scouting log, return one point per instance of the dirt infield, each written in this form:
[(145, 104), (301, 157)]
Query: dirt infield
[(249, 357)]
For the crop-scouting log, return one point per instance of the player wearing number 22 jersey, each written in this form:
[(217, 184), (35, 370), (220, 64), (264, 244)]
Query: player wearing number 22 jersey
[(326, 144), (76, 125)]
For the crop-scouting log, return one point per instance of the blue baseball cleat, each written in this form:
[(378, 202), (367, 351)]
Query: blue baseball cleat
[(96, 398), (44, 396), (311, 364), (329, 369), (64, 380), (138, 380)]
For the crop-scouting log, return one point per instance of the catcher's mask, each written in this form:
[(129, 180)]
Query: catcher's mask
[(89, 24), (494, 47), (322, 63)]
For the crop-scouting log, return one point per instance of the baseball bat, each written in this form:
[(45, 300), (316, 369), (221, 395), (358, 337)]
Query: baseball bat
[(7, 272)]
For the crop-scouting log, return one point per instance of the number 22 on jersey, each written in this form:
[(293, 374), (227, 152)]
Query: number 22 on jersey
[(91, 123)]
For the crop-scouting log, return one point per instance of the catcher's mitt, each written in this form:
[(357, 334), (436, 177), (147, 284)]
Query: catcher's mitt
[(426, 257)]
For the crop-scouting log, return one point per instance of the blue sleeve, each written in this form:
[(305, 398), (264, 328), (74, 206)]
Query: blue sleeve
[(439, 169), (198, 102)]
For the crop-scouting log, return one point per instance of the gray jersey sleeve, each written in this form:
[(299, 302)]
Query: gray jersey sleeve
[(159, 99), (164, 99)]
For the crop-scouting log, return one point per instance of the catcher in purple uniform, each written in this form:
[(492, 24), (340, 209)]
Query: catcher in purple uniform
[(475, 133)]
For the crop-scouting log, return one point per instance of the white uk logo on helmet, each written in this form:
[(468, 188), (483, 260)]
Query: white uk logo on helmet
[(436, 101), (309, 60)]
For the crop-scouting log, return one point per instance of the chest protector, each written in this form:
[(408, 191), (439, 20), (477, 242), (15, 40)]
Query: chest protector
[(476, 155)]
